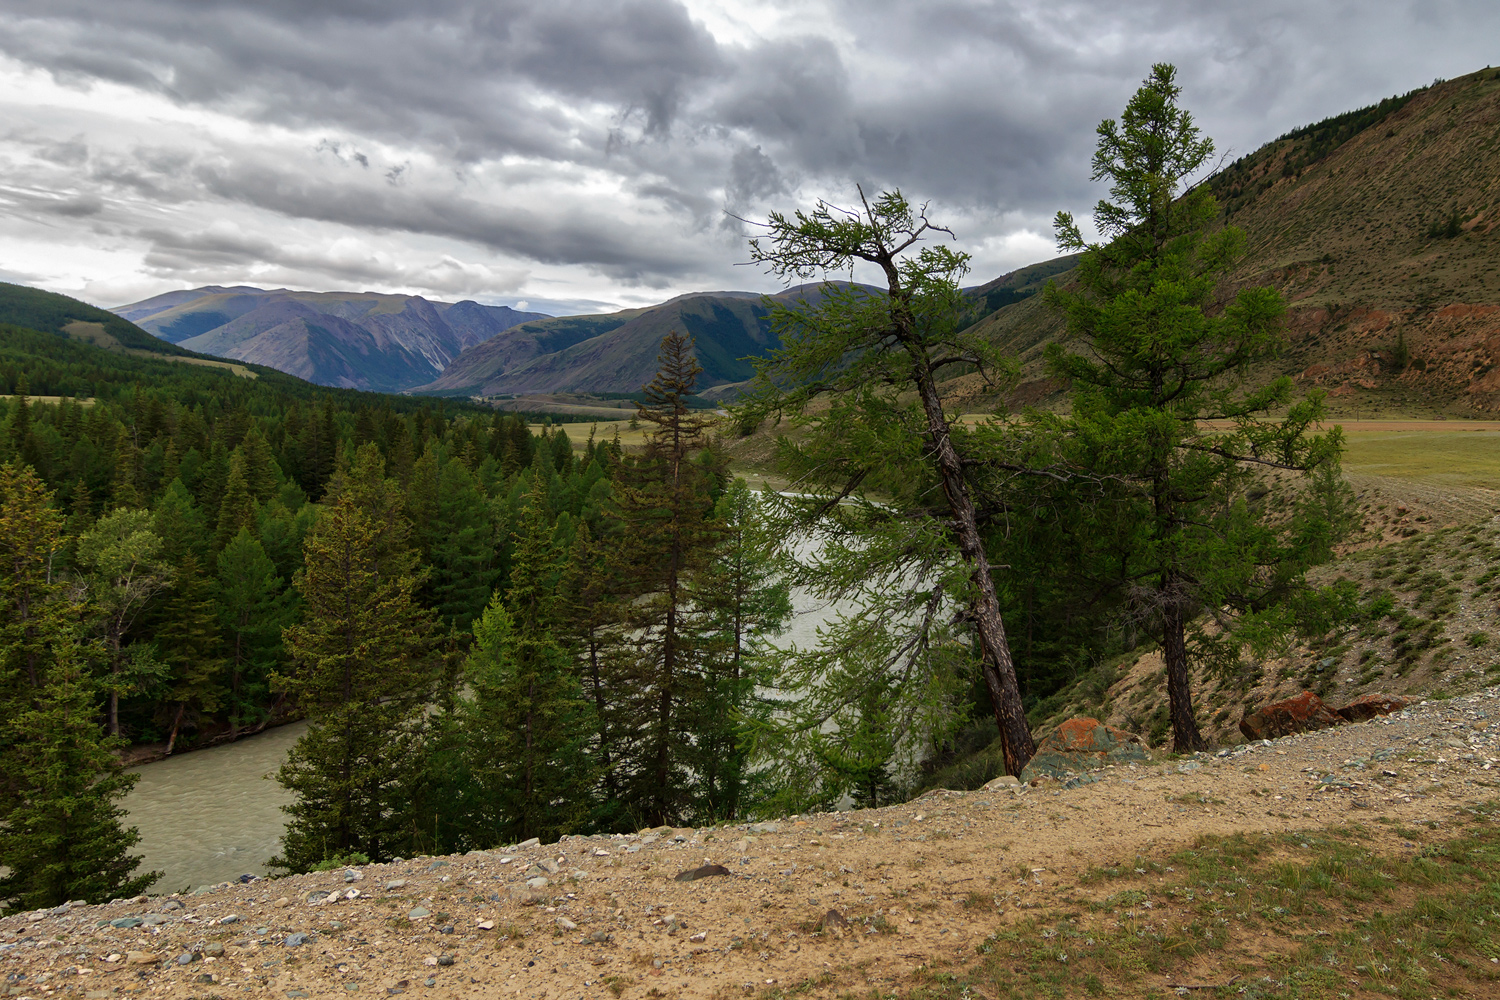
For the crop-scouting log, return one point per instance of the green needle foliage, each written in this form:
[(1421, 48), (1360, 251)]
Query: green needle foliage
[(1160, 411), (361, 674), (888, 474)]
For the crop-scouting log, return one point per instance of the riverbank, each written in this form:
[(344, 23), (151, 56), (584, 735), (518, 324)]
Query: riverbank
[(923, 893)]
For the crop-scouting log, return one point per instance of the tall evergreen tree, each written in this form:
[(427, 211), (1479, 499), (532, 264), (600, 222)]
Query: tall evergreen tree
[(1165, 359), (360, 673), (62, 839), (666, 537), (252, 614), (238, 508), (527, 725), (190, 649)]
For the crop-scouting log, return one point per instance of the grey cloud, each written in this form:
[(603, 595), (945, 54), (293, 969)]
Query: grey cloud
[(986, 106)]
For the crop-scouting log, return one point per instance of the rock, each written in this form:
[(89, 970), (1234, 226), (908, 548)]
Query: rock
[(834, 923), (214, 949), (699, 938), (765, 827), (141, 958), (439, 863), (395, 883), (1302, 714), (1369, 706), (429, 982), (548, 865), (599, 937), (418, 913), (445, 960), (1002, 782), (742, 845), (153, 920), (540, 882), (172, 904), (296, 940), (186, 958), (204, 890), (704, 871), (533, 842), (282, 902), (229, 918), (126, 922), (566, 924), (485, 925), (1082, 744)]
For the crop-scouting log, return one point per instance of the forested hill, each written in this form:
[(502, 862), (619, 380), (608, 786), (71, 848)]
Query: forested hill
[(1381, 229)]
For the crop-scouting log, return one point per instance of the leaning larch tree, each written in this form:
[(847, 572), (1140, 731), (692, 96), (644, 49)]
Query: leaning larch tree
[(860, 371)]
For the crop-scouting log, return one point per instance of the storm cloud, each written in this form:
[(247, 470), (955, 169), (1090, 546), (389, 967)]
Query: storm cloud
[(590, 150)]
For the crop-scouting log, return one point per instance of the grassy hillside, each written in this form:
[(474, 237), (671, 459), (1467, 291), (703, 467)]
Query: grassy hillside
[(1379, 228)]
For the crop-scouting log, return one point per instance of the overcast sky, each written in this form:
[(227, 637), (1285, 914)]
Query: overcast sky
[(579, 154)]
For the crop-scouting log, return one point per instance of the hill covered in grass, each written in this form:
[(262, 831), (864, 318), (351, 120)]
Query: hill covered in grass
[(1378, 226)]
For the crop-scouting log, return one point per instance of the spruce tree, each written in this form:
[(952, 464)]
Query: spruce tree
[(252, 612), (190, 648), (747, 596), (666, 536), (62, 838), (1168, 352), (527, 725), (238, 508), (360, 672)]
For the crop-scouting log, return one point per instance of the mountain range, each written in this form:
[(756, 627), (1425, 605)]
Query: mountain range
[(356, 340)]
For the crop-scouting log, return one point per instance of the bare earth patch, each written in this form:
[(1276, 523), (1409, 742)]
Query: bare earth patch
[(818, 905)]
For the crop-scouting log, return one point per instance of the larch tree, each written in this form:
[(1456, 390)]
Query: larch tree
[(1162, 408), (886, 469)]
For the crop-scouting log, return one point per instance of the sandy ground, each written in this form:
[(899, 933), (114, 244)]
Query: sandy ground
[(612, 920)]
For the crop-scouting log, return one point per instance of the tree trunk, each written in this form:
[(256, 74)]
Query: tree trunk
[(176, 724), (1185, 735), (999, 670)]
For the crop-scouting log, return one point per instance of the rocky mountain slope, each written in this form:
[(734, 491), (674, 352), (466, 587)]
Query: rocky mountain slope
[(1379, 228), (617, 352), (361, 340)]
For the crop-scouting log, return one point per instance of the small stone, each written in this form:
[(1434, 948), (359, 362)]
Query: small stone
[(533, 842), (172, 904), (485, 925), (213, 949), (742, 845), (204, 890), (704, 871), (601, 853), (445, 960), (186, 958), (540, 882), (282, 902), (126, 922), (429, 982), (229, 918), (141, 958), (1004, 781), (699, 938), (599, 937), (549, 866), (430, 960), (418, 913), (566, 924), (296, 940), (153, 920), (395, 883), (439, 863)]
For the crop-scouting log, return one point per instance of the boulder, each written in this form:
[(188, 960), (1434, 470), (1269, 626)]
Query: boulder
[(1082, 744), (1371, 705), (1301, 714)]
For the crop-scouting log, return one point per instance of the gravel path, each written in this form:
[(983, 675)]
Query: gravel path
[(605, 916)]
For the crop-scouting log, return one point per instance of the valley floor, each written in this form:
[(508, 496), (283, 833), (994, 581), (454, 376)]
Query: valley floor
[(1105, 889)]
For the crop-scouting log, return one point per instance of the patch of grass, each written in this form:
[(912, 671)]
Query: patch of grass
[(1315, 913)]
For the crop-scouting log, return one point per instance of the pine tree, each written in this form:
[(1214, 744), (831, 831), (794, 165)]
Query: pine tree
[(360, 673), (527, 725), (262, 475), (62, 839), (460, 543)]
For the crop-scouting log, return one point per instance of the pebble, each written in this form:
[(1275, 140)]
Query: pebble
[(395, 883), (540, 882), (140, 958), (186, 958), (445, 960), (566, 924), (418, 913), (229, 918), (296, 940), (213, 949)]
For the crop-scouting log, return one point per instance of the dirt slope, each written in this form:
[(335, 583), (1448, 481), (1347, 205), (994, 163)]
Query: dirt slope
[(920, 885)]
